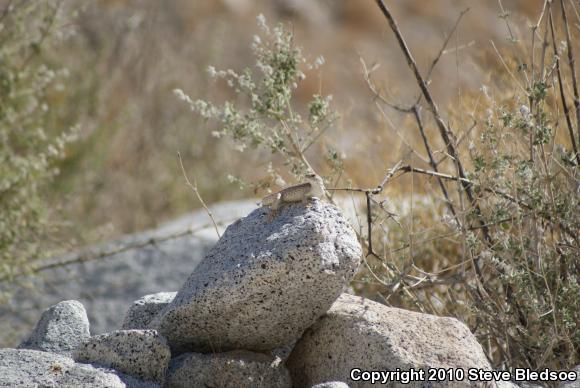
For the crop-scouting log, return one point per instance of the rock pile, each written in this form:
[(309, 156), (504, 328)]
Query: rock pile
[(265, 308)]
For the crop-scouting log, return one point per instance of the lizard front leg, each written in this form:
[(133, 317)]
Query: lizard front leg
[(275, 206)]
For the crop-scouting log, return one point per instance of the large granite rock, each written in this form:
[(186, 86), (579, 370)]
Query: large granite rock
[(107, 286), (236, 369), (264, 282), (33, 368), (143, 310), (140, 353), (61, 329), (359, 334), (572, 384)]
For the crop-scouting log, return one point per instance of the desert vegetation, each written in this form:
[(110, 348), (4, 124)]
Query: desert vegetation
[(459, 149)]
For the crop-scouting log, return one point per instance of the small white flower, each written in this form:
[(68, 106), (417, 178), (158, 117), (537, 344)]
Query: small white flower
[(52, 151), (182, 96), (563, 46), (211, 71), (450, 221), (525, 111), (41, 134), (484, 89), (261, 20), (319, 62), (267, 70)]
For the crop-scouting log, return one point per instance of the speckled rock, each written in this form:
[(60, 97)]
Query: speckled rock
[(331, 384), (264, 282), (61, 329), (572, 384), (235, 369), (143, 310), (140, 353), (284, 352), (362, 334), (34, 368)]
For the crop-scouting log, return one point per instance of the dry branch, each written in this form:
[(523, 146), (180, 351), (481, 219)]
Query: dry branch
[(444, 131), (111, 249), (196, 191), (562, 93)]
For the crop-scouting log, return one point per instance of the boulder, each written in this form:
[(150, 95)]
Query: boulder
[(61, 329), (140, 353), (284, 352), (34, 368), (264, 282), (572, 384), (358, 334), (143, 310), (236, 369)]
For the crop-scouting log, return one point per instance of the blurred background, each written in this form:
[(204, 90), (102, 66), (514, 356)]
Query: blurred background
[(126, 57)]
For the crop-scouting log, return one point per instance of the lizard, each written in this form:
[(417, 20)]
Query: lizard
[(314, 187)]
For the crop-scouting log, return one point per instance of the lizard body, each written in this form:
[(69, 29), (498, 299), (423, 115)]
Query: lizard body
[(297, 193)]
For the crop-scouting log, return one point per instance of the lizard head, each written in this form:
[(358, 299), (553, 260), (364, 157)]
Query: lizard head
[(317, 185)]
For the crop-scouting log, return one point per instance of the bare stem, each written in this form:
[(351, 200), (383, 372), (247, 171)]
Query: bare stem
[(562, 93), (403, 169), (444, 131), (109, 250), (369, 222), (196, 191), (572, 64), (417, 114)]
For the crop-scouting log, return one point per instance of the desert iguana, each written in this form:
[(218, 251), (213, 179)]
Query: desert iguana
[(297, 193)]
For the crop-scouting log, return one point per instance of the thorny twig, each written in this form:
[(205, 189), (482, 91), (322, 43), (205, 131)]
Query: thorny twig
[(572, 64), (399, 168), (369, 221), (442, 50), (444, 46), (446, 134), (44, 35), (505, 15), (111, 249), (417, 114), (506, 67), (562, 93), (196, 191), (415, 109)]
